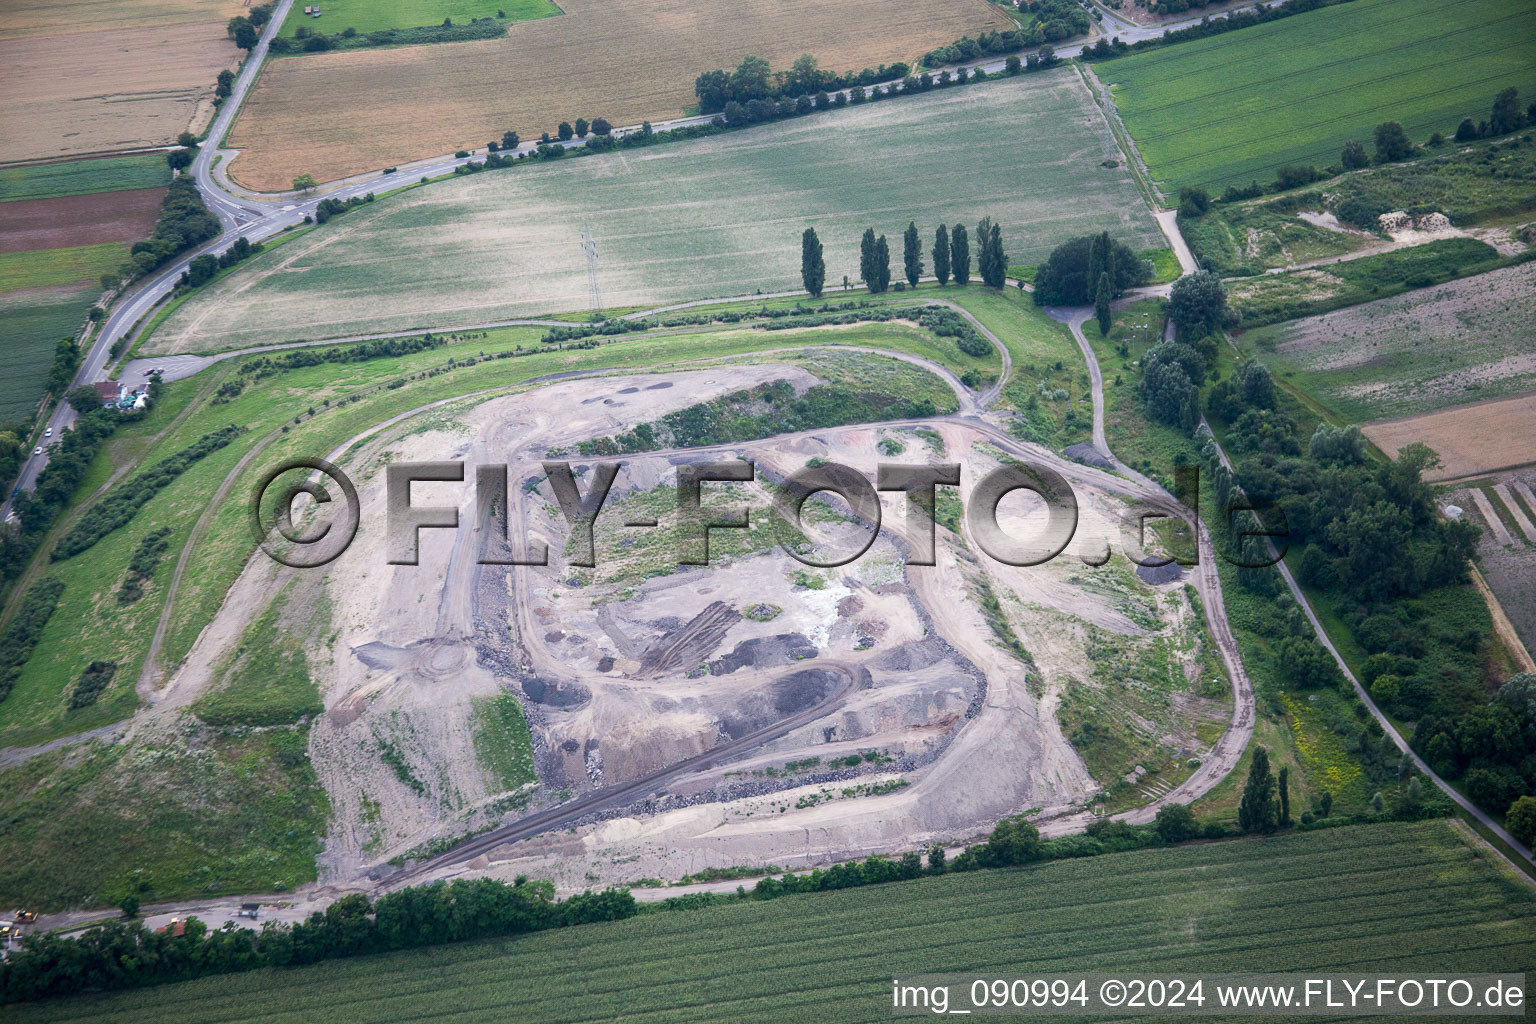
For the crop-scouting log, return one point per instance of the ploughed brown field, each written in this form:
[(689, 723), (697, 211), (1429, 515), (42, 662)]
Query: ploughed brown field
[(79, 220), (96, 92), (1471, 439), (341, 113)]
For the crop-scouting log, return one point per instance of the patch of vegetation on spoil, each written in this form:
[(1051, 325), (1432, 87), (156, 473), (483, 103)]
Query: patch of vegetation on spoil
[(1291, 901), (1117, 581), (161, 819), (503, 743), (1271, 298), (1235, 107), (1129, 715), (265, 681), (95, 679), (1002, 630), (1469, 184), (629, 557), (766, 410), (1414, 353), (118, 508), (83, 177)]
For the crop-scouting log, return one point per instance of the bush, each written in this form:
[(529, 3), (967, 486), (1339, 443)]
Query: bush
[(120, 506), (1520, 819), (1362, 211), (94, 680), (1193, 202), (26, 629), (1176, 823), (1062, 279)]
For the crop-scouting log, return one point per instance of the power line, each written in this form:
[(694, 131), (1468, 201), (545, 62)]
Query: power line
[(590, 248)]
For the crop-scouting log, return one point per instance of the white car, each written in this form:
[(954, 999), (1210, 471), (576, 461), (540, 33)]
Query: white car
[(48, 432), (37, 451)]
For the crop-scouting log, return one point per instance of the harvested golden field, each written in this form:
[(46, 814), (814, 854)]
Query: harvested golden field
[(51, 18), (1471, 439), (335, 114), (93, 92)]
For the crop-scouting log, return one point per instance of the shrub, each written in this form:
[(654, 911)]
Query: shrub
[(94, 680)]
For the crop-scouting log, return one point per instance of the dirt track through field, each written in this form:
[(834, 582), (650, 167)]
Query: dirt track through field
[(337, 114)]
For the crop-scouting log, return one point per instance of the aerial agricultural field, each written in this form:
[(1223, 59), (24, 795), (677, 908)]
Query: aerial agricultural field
[(1233, 108), (1458, 342), (366, 16), (1470, 439), (81, 177), (625, 60), (105, 76), (1504, 555), (70, 221), (1313, 290), (1388, 898), (34, 323), (672, 222), (62, 226), (44, 294), (26, 18)]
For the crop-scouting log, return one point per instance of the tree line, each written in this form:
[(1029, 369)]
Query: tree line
[(184, 223), (1055, 21), (951, 255), (128, 955), (755, 79), (1372, 541)]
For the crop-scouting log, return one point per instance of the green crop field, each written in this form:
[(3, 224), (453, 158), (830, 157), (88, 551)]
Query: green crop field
[(82, 177), (1389, 898), (34, 323), (373, 15), (1235, 107), (48, 268), (706, 218), (1436, 347)]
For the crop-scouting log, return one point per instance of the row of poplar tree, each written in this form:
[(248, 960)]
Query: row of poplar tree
[(951, 254)]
